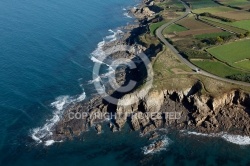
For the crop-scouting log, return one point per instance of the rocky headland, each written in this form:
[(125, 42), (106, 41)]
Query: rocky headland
[(187, 109)]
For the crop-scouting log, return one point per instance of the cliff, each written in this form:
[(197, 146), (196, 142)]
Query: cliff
[(187, 109)]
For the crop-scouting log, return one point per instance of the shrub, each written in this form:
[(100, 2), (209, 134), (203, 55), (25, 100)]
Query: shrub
[(240, 77)]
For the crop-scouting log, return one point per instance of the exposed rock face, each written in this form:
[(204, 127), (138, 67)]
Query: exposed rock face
[(78, 118), (162, 109), (230, 112), (143, 12), (154, 101)]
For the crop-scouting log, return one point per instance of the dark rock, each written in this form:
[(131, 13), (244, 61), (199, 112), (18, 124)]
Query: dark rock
[(98, 128)]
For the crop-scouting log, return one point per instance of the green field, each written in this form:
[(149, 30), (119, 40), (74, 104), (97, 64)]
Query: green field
[(174, 28), (233, 53), (223, 25), (216, 68), (244, 64), (235, 2), (195, 4), (155, 26), (213, 10), (243, 24), (172, 3), (212, 35)]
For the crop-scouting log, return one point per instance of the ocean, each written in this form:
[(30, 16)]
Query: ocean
[(47, 53)]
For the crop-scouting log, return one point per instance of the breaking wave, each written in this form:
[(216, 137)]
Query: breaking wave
[(99, 52), (39, 134), (126, 14), (235, 139)]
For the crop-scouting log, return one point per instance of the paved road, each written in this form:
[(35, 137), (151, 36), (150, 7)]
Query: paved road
[(193, 67)]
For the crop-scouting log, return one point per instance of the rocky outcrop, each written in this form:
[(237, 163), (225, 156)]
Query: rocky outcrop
[(98, 128), (227, 112), (146, 112), (187, 109), (143, 12)]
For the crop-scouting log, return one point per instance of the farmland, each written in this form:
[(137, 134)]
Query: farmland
[(244, 64), (238, 3), (174, 28), (236, 15), (235, 54), (232, 52), (213, 37), (213, 10), (224, 26), (243, 24), (195, 4), (196, 27), (216, 68)]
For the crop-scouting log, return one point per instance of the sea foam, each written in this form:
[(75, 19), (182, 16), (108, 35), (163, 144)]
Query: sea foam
[(126, 14), (40, 133), (99, 53), (235, 139)]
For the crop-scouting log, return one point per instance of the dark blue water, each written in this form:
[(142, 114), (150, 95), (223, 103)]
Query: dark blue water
[(45, 57)]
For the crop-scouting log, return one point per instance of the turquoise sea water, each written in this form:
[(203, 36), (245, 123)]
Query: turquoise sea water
[(45, 58)]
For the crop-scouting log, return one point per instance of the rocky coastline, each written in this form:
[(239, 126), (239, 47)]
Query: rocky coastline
[(168, 108)]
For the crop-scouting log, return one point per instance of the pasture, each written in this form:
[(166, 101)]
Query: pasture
[(212, 35), (232, 52), (216, 68), (223, 25), (235, 15), (213, 10), (196, 27), (244, 64), (243, 24), (195, 4), (236, 54), (174, 28), (235, 2)]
